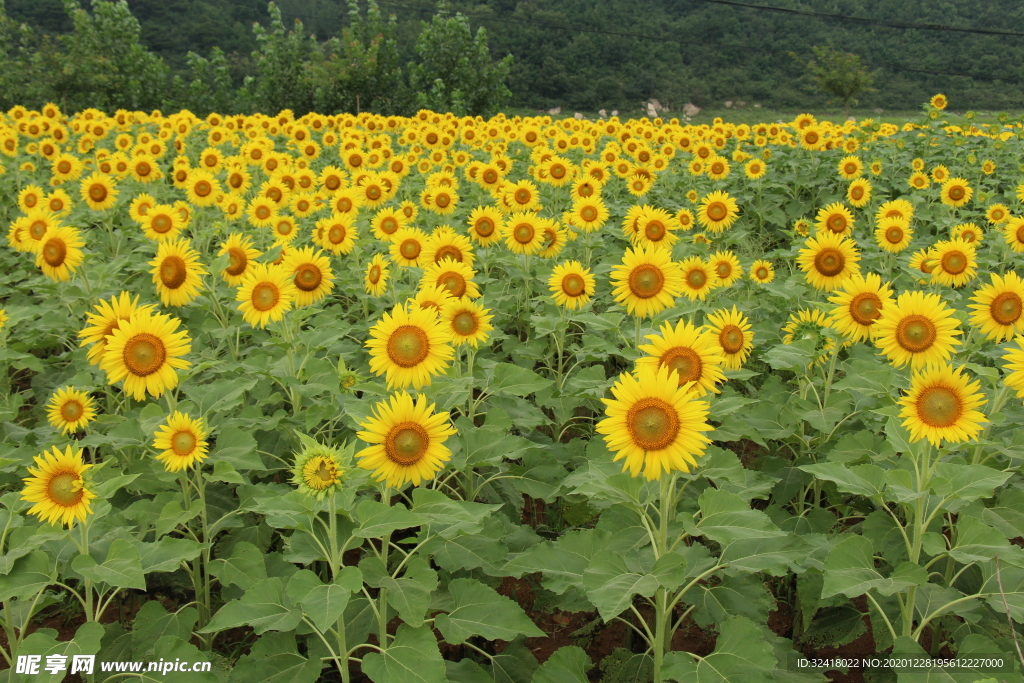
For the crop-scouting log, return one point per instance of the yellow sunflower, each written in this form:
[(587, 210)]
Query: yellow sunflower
[(1013, 363), (859, 192), (919, 180), (446, 243), (726, 267), (698, 278), (836, 219), (406, 247), (522, 196), (336, 234), (60, 252), (145, 351), (375, 280), (99, 192), (999, 307), (733, 335), (655, 228), (1013, 233), (523, 233), (262, 212), (57, 487), (810, 323), (409, 347), (311, 275), (685, 219), (108, 316), (406, 441), (647, 281), (467, 321), (851, 168), (486, 226), (897, 208), (691, 353), (241, 255), (589, 214), (717, 211), (70, 409), (432, 299), (918, 328), (827, 260), (997, 213), (755, 169), (762, 272), (571, 285), (956, 192), (161, 222), (955, 263), (939, 101), (202, 188), (893, 235), (968, 232), (181, 442), (177, 273), (319, 470), (654, 424), (387, 223), (859, 303), (457, 277), (942, 405), (923, 261), (266, 293)]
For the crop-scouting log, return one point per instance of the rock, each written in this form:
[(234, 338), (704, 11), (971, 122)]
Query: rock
[(578, 116), (651, 112), (691, 109), (757, 106), (602, 113), (615, 112), (728, 104), (657, 105), (555, 111)]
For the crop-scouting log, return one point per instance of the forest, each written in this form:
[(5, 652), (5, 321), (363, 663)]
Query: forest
[(573, 54)]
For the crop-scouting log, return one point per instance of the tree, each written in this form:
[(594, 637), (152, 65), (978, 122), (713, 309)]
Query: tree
[(280, 61), (839, 74), (455, 72)]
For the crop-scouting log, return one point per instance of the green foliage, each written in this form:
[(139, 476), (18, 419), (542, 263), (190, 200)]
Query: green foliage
[(455, 72), (839, 74)]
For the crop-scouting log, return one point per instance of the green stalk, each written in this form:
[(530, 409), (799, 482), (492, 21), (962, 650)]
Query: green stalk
[(661, 606)]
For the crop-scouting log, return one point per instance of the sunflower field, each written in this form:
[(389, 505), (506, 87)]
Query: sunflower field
[(349, 398)]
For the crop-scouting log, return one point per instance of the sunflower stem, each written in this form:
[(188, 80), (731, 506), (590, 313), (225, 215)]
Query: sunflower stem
[(661, 607), (382, 596)]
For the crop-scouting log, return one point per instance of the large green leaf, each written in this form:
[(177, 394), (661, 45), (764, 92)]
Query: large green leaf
[(408, 594), (725, 517), (864, 480), (44, 643), (275, 658), (264, 607), (167, 554), (412, 657), (568, 664), (324, 602), (513, 380), (449, 517), (121, 569), (562, 562), (237, 448), (967, 482), (610, 585), (741, 654), (243, 568), (29, 575), (481, 611), (153, 622), (377, 519), (850, 570)]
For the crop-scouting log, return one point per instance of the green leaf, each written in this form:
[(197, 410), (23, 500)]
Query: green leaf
[(568, 664), (121, 569), (562, 562), (775, 556), (275, 658), (850, 570), (978, 542), (610, 585), (412, 657), (725, 517), (167, 554), (153, 622), (410, 594), (324, 603), (863, 480), (449, 517), (967, 482), (237, 448), (794, 357), (741, 654), (468, 552), (513, 380), (377, 519), (744, 594), (835, 626), (29, 575), (243, 568), (223, 394), (86, 642), (265, 607), (481, 611)]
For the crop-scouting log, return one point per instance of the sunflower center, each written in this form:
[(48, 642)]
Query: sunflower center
[(696, 279), (894, 234), (389, 225), (173, 272), (956, 193), (71, 411), (336, 235), (203, 188), (484, 227), (442, 200), (235, 180), (588, 214), (344, 205), (144, 354), (653, 424), (37, 229), (654, 230), (374, 275), (939, 406), (97, 192), (836, 222), (490, 176), (64, 167), (141, 168), (731, 339), (54, 252), (646, 281), (523, 233), (237, 261), (865, 308), (284, 228), (410, 249), (522, 196), (856, 192), (685, 361), (829, 261), (406, 443), (717, 211), (915, 333), (373, 193), (1006, 308), (308, 277), (850, 169), (465, 323), (183, 443), (63, 489), (408, 346), (573, 285), (954, 262), (263, 212), (161, 224), (723, 270), (265, 296), (449, 251)]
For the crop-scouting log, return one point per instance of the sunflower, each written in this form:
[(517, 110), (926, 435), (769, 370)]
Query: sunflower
[(486, 226), (57, 487), (523, 233), (3, 318), (554, 238), (942, 404), (859, 304), (899, 209), (755, 169), (655, 228), (376, 277), (859, 192), (145, 351), (386, 223), (108, 316), (181, 442), (311, 275), (836, 219), (685, 219), (406, 247), (266, 293), (762, 272), (589, 214), (446, 243), (60, 253), (956, 192), (1013, 363), (955, 263), (893, 235), (202, 188), (241, 254), (919, 180), (177, 273), (733, 336), (918, 328), (457, 277), (406, 441), (726, 267), (810, 323), (571, 285), (647, 281), (827, 260), (30, 197), (70, 410), (99, 192), (409, 347), (284, 229), (262, 212), (522, 196), (161, 222), (58, 202), (939, 101), (654, 424), (968, 232), (851, 168), (144, 169), (1013, 233), (467, 321), (319, 470), (997, 213), (717, 211), (688, 351), (999, 307), (432, 299)]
